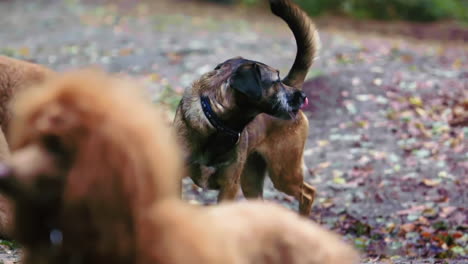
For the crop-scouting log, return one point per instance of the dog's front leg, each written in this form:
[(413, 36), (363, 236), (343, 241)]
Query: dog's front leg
[(229, 180), (229, 175)]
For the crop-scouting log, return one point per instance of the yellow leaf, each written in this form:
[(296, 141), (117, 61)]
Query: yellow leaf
[(457, 64), (421, 112), (339, 180), (323, 143), (416, 101), (363, 124), (155, 77), (24, 51), (423, 129)]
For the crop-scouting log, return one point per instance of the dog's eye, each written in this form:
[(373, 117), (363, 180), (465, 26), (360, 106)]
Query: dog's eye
[(218, 67)]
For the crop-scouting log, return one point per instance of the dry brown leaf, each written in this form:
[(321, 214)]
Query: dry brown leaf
[(324, 165), (409, 227), (413, 209), (125, 51)]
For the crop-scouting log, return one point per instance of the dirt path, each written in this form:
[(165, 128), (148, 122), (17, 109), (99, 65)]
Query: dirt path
[(391, 172)]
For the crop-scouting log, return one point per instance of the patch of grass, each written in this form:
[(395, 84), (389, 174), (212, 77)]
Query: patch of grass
[(411, 10), (313, 73), (7, 52), (10, 243), (169, 97)]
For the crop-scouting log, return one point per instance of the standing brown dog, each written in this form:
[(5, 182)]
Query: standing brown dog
[(15, 75), (241, 120)]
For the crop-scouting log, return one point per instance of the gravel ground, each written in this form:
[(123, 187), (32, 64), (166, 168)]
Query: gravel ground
[(390, 170)]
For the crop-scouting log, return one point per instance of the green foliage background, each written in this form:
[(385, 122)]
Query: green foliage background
[(411, 10)]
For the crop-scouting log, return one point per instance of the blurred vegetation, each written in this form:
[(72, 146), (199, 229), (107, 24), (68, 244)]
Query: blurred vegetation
[(411, 10)]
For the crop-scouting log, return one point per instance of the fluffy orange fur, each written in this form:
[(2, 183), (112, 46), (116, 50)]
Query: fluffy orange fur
[(95, 175)]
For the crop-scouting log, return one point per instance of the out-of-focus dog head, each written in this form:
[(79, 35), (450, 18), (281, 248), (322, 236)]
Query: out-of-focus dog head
[(259, 85), (88, 153)]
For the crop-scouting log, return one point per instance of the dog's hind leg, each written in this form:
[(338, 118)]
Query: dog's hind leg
[(253, 176), (288, 177), (283, 153), (306, 200)]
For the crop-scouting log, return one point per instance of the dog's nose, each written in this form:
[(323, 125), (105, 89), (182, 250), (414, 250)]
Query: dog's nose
[(299, 100)]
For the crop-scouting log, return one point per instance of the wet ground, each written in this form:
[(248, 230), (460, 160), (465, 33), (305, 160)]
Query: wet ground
[(390, 169)]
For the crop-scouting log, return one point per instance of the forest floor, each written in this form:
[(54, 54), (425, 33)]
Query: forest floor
[(386, 150)]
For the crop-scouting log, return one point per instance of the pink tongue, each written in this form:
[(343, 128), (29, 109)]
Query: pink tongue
[(306, 103)]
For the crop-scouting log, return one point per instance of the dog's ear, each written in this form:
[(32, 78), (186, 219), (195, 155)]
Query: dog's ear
[(248, 80)]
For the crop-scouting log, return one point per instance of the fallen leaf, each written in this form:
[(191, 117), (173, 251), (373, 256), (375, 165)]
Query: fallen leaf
[(308, 152), (363, 123), (323, 143), (421, 112), (24, 51), (426, 234), (154, 77), (430, 182), (457, 235), (430, 212), (125, 51), (416, 101), (423, 129), (363, 97), (446, 211), (409, 227), (413, 209), (324, 165), (423, 220), (355, 81), (377, 82), (459, 250), (339, 180), (327, 203)]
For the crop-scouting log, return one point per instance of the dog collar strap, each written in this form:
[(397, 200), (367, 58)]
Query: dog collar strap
[(215, 122)]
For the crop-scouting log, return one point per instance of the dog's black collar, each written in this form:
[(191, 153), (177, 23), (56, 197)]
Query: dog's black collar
[(233, 134)]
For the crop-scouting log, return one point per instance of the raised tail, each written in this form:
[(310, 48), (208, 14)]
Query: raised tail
[(306, 35)]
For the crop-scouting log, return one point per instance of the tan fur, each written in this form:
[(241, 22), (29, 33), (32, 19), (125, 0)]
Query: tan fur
[(15, 75), (117, 165)]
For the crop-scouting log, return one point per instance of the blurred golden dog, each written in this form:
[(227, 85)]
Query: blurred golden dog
[(95, 176), (15, 75)]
